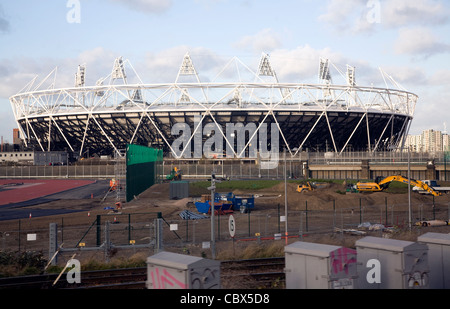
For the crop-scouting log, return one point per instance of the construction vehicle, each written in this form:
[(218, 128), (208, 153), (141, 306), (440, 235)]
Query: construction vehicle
[(433, 184), (381, 184), (175, 174), (306, 187), (226, 203)]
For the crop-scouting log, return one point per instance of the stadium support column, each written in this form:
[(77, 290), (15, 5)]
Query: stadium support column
[(431, 170), (365, 169)]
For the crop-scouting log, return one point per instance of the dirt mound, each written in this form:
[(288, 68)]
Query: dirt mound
[(334, 196), (158, 190)]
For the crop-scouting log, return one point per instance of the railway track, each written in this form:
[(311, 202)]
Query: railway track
[(247, 274)]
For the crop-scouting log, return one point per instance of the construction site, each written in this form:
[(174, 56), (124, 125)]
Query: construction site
[(269, 214), (181, 171)]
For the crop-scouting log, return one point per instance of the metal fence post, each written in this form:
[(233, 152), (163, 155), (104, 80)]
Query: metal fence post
[(98, 230), (53, 242), (159, 233), (107, 241)]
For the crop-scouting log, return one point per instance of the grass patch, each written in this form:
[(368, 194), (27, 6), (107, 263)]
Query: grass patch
[(252, 251), (21, 263), (200, 187), (397, 188)]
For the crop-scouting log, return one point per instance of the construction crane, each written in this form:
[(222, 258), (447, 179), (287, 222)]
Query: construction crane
[(381, 184)]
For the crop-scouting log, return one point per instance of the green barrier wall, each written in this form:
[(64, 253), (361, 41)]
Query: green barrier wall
[(144, 166)]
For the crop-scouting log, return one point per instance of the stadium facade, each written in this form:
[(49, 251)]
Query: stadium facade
[(104, 118)]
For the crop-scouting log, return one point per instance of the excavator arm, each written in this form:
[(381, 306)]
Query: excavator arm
[(383, 184)]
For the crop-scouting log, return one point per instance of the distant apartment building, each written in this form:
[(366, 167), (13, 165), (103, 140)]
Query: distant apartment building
[(16, 137), (429, 141), (414, 142)]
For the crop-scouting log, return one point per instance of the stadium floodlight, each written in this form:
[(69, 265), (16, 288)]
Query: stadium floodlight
[(265, 69), (80, 76), (118, 71), (351, 80), (324, 71)]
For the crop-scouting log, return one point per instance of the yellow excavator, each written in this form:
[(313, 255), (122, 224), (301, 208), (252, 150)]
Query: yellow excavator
[(307, 187), (382, 183)]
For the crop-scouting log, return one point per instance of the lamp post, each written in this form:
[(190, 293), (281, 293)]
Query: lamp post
[(409, 184), (409, 189), (285, 199), (213, 238)]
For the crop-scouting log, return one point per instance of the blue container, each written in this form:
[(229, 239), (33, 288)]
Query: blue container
[(204, 207), (228, 201)]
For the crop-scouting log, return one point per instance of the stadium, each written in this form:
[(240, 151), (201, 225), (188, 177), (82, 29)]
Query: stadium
[(104, 118)]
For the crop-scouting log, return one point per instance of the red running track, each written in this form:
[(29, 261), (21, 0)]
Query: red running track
[(34, 188)]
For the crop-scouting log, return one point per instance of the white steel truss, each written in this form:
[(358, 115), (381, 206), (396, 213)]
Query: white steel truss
[(74, 115)]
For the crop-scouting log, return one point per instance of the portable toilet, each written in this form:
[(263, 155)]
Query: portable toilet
[(391, 264), (167, 270), (318, 266), (438, 258)]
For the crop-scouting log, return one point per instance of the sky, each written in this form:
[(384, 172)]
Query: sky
[(407, 39)]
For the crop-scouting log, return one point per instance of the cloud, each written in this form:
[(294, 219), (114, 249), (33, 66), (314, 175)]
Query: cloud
[(148, 6), (163, 66), (17, 72), (418, 12), (440, 78), (419, 41), (350, 15), (265, 40), (363, 16), (4, 23)]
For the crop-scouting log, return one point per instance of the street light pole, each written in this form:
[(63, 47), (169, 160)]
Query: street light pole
[(285, 199), (213, 238), (409, 185), (409, 189)]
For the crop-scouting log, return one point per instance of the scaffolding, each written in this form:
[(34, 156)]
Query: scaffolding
[(120, 174)]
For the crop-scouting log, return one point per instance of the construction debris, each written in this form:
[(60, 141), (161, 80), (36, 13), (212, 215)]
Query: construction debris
[(189, 215)]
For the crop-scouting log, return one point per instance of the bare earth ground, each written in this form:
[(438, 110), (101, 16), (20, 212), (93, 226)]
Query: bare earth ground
[(156, 199)]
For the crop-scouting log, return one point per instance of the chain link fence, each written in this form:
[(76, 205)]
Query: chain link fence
[(58, 171), (154, 232)]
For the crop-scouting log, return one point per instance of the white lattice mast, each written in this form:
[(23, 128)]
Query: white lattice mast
[(325, 77), (80, 81), (351, 78), (265, 68), (118, 71), (187, 69)]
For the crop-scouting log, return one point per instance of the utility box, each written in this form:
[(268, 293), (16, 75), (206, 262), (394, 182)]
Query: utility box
[(391, 264), (318, 266), (438, 259), (167, 270), (178, 189)]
